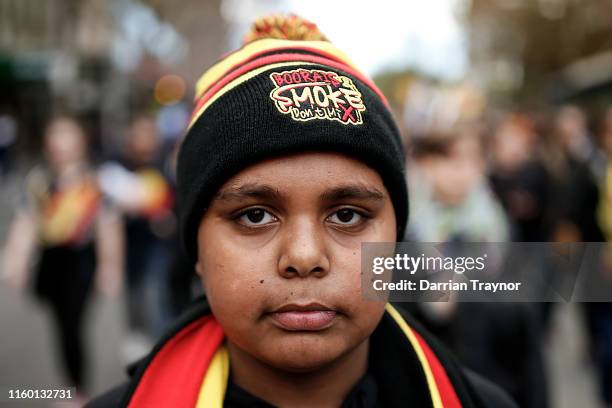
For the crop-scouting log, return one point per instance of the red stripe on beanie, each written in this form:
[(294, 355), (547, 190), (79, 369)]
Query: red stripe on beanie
[(276, 58), (268, 51)]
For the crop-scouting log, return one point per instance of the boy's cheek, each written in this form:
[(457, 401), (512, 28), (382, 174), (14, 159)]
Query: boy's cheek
[(234, 308), (233, 291)]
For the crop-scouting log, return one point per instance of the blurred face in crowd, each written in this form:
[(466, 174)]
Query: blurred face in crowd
[(512, 144), (606, 132), (142, 144), (453, 175), (571, 127), (64, 144), (280, 258)]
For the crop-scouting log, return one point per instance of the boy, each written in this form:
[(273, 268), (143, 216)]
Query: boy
[(292, 159)]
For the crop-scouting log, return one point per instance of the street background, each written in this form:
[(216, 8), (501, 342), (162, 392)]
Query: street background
[(504, 107)]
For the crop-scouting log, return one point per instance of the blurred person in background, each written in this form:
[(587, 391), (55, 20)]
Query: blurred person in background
[(573, 163), (8, 136), (183, 285), (453, 203), (63, 214), (576, 167), (520, 180), (600, 314), (139, 184), (451, 198), (604, 211)]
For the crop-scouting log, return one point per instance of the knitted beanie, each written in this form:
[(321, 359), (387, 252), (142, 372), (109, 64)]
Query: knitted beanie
[(275, 97)]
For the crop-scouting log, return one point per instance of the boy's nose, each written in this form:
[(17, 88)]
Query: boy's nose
[(303, 251)]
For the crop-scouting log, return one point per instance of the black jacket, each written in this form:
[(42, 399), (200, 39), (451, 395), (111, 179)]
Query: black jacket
[(393, 366)]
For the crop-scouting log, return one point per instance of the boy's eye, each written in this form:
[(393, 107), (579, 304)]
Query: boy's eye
[(346, 216), (255, 217)]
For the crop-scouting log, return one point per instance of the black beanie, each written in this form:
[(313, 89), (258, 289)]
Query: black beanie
[(275, 97)]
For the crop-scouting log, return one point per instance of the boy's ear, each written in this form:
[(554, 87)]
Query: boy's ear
[(199, 269)]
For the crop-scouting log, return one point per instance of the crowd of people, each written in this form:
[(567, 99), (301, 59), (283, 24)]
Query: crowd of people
[(107, 224), (81, 226), (522, 178)]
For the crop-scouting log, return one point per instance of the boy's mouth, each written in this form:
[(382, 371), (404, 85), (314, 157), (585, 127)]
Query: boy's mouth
[(307, 317)]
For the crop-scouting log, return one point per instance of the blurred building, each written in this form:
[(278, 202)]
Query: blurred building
[(518, 47), (99, 59)]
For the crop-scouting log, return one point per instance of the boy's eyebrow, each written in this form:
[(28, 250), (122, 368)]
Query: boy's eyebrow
[(266, 192), (355, 191), (251, 190)]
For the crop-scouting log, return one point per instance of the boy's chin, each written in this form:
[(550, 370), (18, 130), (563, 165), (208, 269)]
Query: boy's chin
[(302, 364), (304, 355)]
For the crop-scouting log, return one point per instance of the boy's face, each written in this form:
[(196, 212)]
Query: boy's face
[(279, 253)]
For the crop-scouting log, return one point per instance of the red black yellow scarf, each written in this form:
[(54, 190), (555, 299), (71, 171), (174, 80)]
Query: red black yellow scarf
[(191, 369)]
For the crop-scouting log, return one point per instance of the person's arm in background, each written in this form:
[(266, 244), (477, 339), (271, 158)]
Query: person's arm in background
[(19, 249), (109, 240)]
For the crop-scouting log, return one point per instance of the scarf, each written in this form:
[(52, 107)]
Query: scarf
[(191, 369)]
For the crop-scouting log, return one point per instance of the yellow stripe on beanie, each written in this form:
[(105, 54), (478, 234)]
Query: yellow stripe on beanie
[(241, 79), (220, 69)]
